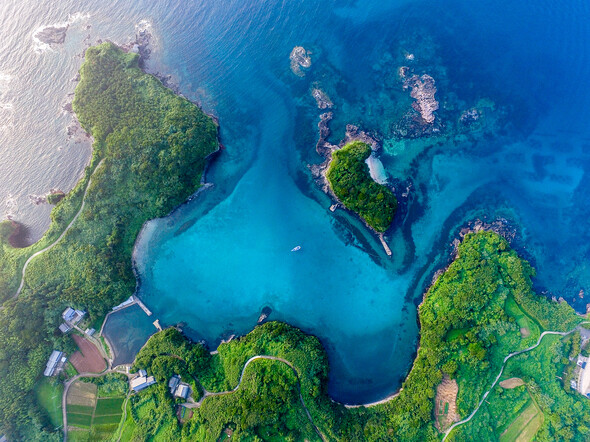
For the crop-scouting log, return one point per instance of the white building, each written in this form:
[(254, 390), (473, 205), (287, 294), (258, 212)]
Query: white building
[(142, 381), (64, 328), (72, 316), (56, 359), (178, 389), (182, 391)]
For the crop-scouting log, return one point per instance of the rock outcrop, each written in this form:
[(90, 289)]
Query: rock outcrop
[(52, 35), (300, 60), (423, 90), (321, 98)]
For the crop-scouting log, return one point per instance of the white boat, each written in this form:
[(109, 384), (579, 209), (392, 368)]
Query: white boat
[(295, 249)]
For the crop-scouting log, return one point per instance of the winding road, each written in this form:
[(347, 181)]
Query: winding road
[(207, 394), (69, 226), (516, 353)]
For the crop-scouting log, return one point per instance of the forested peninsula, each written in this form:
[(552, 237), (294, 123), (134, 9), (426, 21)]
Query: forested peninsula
[(149, 152), (349, 179)]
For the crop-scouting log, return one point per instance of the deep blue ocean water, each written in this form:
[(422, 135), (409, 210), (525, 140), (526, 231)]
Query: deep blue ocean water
[(218, 260)]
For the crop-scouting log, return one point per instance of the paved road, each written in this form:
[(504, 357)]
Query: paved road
[(516, 353), (207, 394), (49, 247)]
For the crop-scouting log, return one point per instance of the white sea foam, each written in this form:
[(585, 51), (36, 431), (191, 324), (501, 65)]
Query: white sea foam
[(143, 25), (11, 206), (40, 46)]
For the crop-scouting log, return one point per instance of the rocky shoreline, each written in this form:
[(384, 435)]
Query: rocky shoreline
[(325, 149)]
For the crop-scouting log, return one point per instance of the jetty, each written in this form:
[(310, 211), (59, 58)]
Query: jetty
[(143, 307), (384, 244), (157, 325)]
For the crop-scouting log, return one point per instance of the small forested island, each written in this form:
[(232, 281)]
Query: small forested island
[(351, 182)]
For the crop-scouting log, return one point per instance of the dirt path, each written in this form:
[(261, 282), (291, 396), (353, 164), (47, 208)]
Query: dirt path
[(516, 353), (124, 418), (49, 247), (207, 394)]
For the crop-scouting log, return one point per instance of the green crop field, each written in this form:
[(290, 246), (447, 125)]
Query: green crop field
[(106, 419), (109, 406), (80, 409), (80, 420)]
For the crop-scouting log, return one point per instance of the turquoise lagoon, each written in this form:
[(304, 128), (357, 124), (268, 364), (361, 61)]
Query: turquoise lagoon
[(214, 263), (217, 261)]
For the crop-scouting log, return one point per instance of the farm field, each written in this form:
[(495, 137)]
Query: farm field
[(87, 359), (91, 417), (525, 426)]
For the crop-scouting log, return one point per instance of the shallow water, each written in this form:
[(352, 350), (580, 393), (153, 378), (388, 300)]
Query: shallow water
[(127, 330), (217, 261)]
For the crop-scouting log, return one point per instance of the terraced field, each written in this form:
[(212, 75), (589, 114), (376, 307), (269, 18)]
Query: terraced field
[(90, 416)]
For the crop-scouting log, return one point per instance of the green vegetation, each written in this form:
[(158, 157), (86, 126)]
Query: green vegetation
[(101, 420), (70, 370), (49, 393), (153, 146), (269, 390), (109, 385), (564, 414), (54, 198), (471, 318), (351, 182)]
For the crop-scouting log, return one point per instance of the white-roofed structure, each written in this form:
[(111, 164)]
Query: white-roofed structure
[(141, 382), (173, 383), (64, 328), (182, 391), (71, 316), (68, 314), (55, 360)]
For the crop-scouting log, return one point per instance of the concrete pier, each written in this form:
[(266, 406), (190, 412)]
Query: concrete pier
[(143, 307), (384, 244), (157, 325)]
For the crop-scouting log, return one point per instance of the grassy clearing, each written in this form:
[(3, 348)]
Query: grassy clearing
[(528, 418), (49, 396), (70, 370), (79, 435), (524, 321), (129, 426)]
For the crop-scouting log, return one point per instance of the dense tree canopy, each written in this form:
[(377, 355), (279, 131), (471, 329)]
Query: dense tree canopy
[(351, 182), (153, 146)]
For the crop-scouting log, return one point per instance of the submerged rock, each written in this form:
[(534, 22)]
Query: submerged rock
[(322, 99), (300, 60), (266, 311)]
